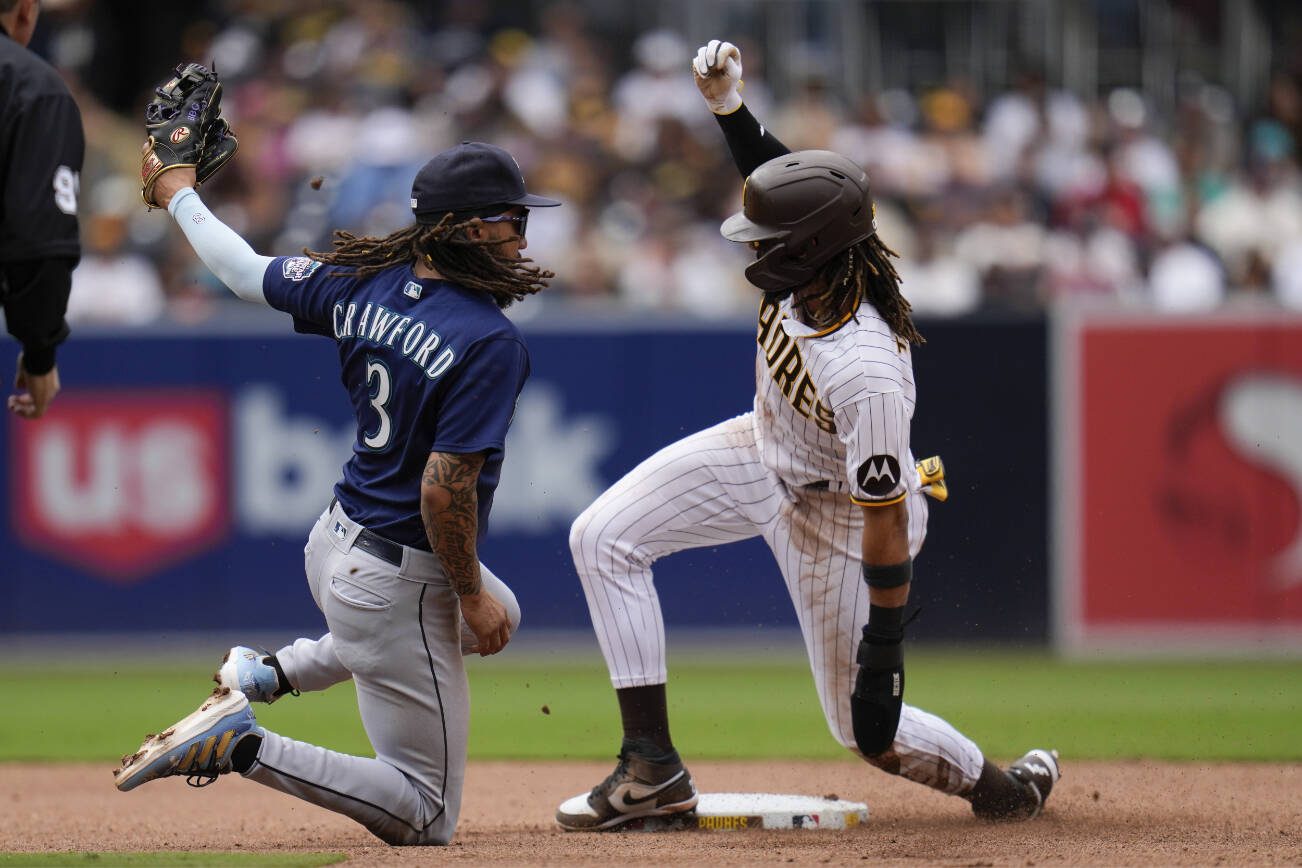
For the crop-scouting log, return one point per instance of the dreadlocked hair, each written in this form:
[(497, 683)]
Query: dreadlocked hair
[(444, 247), (864, 272)]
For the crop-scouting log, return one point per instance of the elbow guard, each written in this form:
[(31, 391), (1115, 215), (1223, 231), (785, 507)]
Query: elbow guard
[(878, 696)]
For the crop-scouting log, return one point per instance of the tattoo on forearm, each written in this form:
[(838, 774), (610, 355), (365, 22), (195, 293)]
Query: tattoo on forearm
[(450, 510)]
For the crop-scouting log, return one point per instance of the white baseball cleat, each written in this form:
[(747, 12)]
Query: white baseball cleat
[(198, 746)]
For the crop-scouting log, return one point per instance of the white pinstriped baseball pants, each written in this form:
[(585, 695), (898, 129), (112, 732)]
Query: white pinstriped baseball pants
[(710, 488)]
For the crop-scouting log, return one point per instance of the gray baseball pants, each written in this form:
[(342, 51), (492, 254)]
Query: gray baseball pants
[(397, 632)]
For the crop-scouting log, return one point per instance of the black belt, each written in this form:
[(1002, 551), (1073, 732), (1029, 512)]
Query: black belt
[(372, 543), (825, 485)]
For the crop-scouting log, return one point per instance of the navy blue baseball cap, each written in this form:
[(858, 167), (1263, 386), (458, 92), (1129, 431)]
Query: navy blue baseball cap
[(471, 177)]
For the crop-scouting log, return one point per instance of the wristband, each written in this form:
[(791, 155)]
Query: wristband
[(889, 575)]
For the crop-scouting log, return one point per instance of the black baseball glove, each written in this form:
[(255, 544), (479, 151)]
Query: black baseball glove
[(185, 129)]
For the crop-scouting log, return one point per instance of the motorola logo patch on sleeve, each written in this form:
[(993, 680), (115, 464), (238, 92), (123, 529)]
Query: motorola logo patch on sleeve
[(879, 475)]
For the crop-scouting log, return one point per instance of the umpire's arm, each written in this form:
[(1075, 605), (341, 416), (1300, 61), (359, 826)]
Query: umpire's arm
[(39, 246), (35, 298)]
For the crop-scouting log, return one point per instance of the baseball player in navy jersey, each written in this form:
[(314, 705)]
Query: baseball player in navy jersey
[(821, 468), (432, 369)]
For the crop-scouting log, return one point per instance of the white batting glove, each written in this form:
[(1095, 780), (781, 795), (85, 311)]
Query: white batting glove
[(717, 70)]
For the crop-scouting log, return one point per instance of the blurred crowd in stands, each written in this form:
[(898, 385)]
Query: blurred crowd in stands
[(1011, 201)]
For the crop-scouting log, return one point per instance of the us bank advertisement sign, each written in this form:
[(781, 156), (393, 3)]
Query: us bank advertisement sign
[(1179, 483), (123, 483), (173, 484)]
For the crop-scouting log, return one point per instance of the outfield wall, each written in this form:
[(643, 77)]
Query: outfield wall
[(1179, 482), (173, 486)]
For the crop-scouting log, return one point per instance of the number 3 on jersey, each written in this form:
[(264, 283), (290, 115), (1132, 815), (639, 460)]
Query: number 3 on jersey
[(377, 373)]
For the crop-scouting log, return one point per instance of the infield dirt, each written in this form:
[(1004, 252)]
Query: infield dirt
[(1126, 813)]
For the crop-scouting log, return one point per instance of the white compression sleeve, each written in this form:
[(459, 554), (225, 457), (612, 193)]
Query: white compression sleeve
[(226, 254)]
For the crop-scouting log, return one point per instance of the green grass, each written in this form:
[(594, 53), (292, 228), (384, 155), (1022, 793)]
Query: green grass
[(113, 860), (732, 708)]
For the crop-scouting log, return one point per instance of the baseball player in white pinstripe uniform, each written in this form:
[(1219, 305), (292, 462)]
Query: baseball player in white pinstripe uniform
[(821, 469)]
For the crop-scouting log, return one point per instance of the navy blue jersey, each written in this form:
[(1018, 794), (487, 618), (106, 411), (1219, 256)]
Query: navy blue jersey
[(429, 367)]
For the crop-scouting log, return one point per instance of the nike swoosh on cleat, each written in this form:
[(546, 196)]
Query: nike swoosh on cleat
[(640, 793)]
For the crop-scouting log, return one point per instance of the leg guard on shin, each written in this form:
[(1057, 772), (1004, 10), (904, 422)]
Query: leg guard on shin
[(878, 696)]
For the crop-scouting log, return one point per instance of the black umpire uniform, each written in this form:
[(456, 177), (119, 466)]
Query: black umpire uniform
[(41, 151)]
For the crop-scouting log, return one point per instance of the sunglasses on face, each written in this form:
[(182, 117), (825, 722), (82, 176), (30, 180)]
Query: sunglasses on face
[(521, 219)]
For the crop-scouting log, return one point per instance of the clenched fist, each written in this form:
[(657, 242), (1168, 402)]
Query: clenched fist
[(717, 70)]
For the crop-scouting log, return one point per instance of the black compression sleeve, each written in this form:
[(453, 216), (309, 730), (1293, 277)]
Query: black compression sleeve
[(35, 299), (750, 143)]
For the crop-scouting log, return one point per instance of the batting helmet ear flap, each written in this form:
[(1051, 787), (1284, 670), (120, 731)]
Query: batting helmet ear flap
[(778, 270)]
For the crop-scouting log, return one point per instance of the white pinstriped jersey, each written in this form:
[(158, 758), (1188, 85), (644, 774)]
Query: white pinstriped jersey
[(835, 405), (826, 405)]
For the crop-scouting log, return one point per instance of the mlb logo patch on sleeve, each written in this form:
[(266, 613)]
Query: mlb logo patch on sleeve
[(412, 289), (298, 267)]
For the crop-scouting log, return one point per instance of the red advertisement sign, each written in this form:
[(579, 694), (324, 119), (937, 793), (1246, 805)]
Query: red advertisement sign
[(125, 483), (1181, 482)]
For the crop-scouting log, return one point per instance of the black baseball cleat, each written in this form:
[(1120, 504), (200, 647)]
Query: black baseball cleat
[(1020, 792), (1038, 769), (638, 787)]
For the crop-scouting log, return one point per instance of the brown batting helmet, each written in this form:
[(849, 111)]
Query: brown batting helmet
[(804, 208)]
